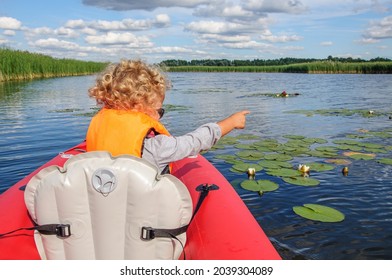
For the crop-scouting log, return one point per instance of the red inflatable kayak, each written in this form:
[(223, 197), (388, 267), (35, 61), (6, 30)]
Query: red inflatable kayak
[(223, 228)]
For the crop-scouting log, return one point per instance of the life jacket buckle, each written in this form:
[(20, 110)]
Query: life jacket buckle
[(63, 230), (147, 234)]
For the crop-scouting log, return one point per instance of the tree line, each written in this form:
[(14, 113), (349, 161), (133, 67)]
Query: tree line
[(265, 62)]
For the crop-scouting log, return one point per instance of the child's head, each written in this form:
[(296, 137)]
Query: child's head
[(129, 85)]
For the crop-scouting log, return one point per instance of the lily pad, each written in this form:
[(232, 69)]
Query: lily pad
[(349, 148), (346, 142), (323, 154), (319, 167), (302, 181), (284, 172), (259, 185), (339, 161), (243, 167), (250, 154), (372, 146), (264, 149), (244, 146), (315, 140), (278, 157), (232, 159), (271, 144), (359, 156), (376, 151), (228, 140), (317, 212), (274, 164), (328, 149), (385, 161), (294, 143), (294, 136)]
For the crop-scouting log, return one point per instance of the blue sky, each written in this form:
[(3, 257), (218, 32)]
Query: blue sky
[(156, 30)]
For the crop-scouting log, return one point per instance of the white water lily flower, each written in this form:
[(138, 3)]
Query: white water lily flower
[(251, 171), (304, 168)]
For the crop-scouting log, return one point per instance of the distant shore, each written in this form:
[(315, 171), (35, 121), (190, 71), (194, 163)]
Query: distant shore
[(22, 65), (318, 67)]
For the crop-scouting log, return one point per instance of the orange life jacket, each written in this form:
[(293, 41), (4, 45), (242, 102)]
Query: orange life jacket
[(121, 132)]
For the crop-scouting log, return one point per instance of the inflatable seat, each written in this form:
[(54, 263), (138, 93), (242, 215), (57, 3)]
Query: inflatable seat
[(106, 201)]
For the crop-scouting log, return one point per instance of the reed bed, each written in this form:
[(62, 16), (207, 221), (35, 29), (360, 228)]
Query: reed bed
[(23, 65), (322, 67)]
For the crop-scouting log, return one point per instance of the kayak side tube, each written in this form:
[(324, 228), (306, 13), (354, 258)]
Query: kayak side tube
[(223, 228)]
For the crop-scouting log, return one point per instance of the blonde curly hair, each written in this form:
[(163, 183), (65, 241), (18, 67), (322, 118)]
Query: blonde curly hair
[(128, 83)]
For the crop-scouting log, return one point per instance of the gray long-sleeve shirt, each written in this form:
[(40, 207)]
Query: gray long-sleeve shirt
[(161, 149)]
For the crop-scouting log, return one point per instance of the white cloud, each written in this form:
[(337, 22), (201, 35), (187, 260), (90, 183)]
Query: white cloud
[(280, 39), (46, 31), (113, 38), (215, 27), (365, 41), (75, 23), (162, 20), (246, 45), (123, 5), (381, 29), (171, 50), (9, 32), (225, 10), (275, 6), (54, 43), (128, 24), (235, 11), (89, 31), (3, 41), (10, 23), (65, 32), (326, 44), (225, 39)]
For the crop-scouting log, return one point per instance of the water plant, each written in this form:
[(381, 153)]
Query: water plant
[(343, 112), (22, 65), (317, 212), (302, 181), (260, 186), (385, 161), (280, 159)]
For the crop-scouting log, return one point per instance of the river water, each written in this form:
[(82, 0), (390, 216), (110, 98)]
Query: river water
[(40, 118)]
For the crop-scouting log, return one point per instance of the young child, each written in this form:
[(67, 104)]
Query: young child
[(131, 94)]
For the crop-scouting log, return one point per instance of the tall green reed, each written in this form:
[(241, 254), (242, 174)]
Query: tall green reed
[(22, 65)]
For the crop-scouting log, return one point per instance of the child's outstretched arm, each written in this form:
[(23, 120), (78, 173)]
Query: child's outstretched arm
[(235, 121)]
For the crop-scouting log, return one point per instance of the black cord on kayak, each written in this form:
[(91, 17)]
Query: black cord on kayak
[(16, 230), (60, 230)]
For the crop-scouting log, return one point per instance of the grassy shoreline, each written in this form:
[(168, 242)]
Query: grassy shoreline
[(317, 67), (23, 65)]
